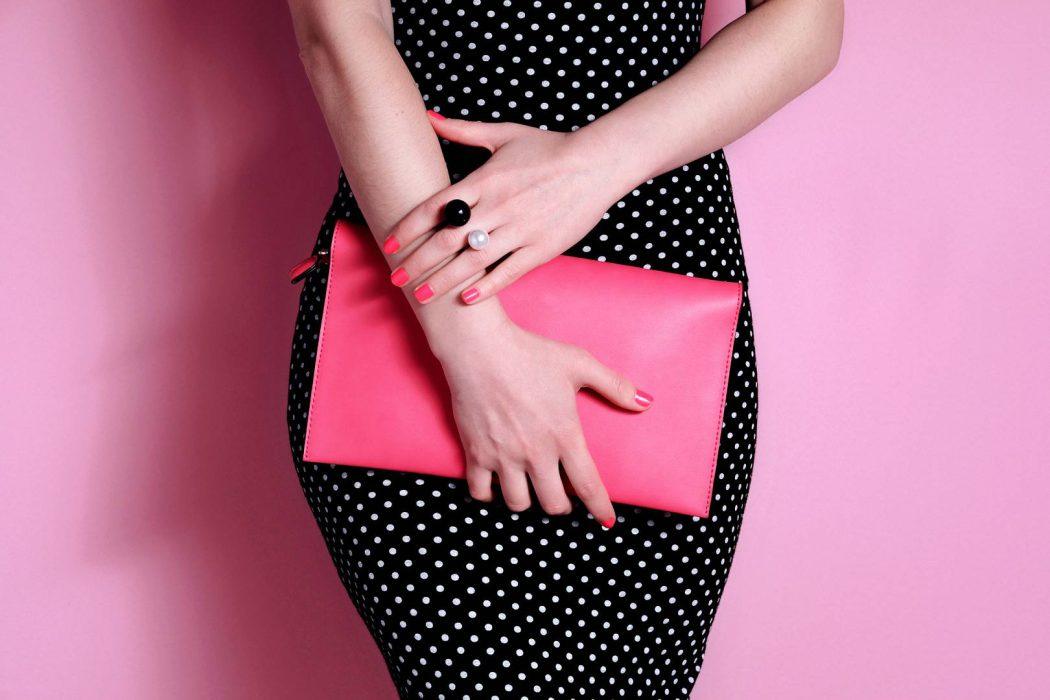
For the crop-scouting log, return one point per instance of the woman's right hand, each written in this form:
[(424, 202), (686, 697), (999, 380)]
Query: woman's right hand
[(514, 401)]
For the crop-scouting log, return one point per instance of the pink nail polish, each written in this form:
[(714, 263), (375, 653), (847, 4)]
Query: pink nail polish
[(399, 277), (471, 295), (434, 114), (390, 245), (424, 293), (609, 523), (643, 398)]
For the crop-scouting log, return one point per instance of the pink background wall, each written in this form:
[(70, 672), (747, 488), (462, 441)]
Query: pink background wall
[(163, 165)]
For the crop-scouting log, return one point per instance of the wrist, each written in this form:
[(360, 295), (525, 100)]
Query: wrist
[(618, 163), (452, 328)]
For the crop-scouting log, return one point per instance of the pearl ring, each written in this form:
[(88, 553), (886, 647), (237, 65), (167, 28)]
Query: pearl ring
[(477, 239)]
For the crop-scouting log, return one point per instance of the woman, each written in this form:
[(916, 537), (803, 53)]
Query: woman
[(593, 129)]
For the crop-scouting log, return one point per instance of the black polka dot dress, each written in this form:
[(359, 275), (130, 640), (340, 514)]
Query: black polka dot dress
[(470, 600)]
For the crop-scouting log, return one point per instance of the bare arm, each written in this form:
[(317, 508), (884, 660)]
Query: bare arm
[(545, 191), (378, 124), (745, 73), (513, 392)]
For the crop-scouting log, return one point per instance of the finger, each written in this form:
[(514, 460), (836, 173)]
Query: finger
[(514, 486), (550, 489), (487, 135), (440, 249), (586, 481), (428, 215), (479, 482), (516, 265), (611, 384), (432, 253), (569, 490), (466, 264)]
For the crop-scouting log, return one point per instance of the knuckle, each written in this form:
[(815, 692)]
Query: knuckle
[(559, 509), (510, 269), (478, 492), (516, 504), (481, 258), (510, 468), (579, 361), (440, 281), (537, 461), (475, 478), (587, 488), (583, 356), (567, 434), (436, 204), (449, 240)]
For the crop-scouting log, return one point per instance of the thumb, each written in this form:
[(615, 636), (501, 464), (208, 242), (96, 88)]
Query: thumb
[(613, 385), (488, 135)]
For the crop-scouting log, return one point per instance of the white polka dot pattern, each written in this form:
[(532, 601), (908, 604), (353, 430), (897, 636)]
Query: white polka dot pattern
[(467, 599)]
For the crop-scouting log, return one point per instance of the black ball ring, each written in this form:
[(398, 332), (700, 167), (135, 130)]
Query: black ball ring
[(457, 212)]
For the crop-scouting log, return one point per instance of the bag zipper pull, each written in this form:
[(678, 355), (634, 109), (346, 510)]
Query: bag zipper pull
[(304, 267)]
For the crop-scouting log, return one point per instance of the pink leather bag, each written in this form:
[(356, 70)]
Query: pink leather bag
[(380, 399)]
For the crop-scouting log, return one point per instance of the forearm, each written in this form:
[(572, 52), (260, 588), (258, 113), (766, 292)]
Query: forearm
[(388, 150), (745, 73)]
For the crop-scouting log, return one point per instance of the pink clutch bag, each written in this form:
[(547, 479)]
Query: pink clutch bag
[(380, 399)]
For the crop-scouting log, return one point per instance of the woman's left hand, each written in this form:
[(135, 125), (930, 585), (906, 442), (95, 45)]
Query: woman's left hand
[(537, 195)]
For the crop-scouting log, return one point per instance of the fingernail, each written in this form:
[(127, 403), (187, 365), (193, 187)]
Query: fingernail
[(609, 523), (424, 293), (435, 114), (399, 277), (390, 245), (471, 295), (643, 398)]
